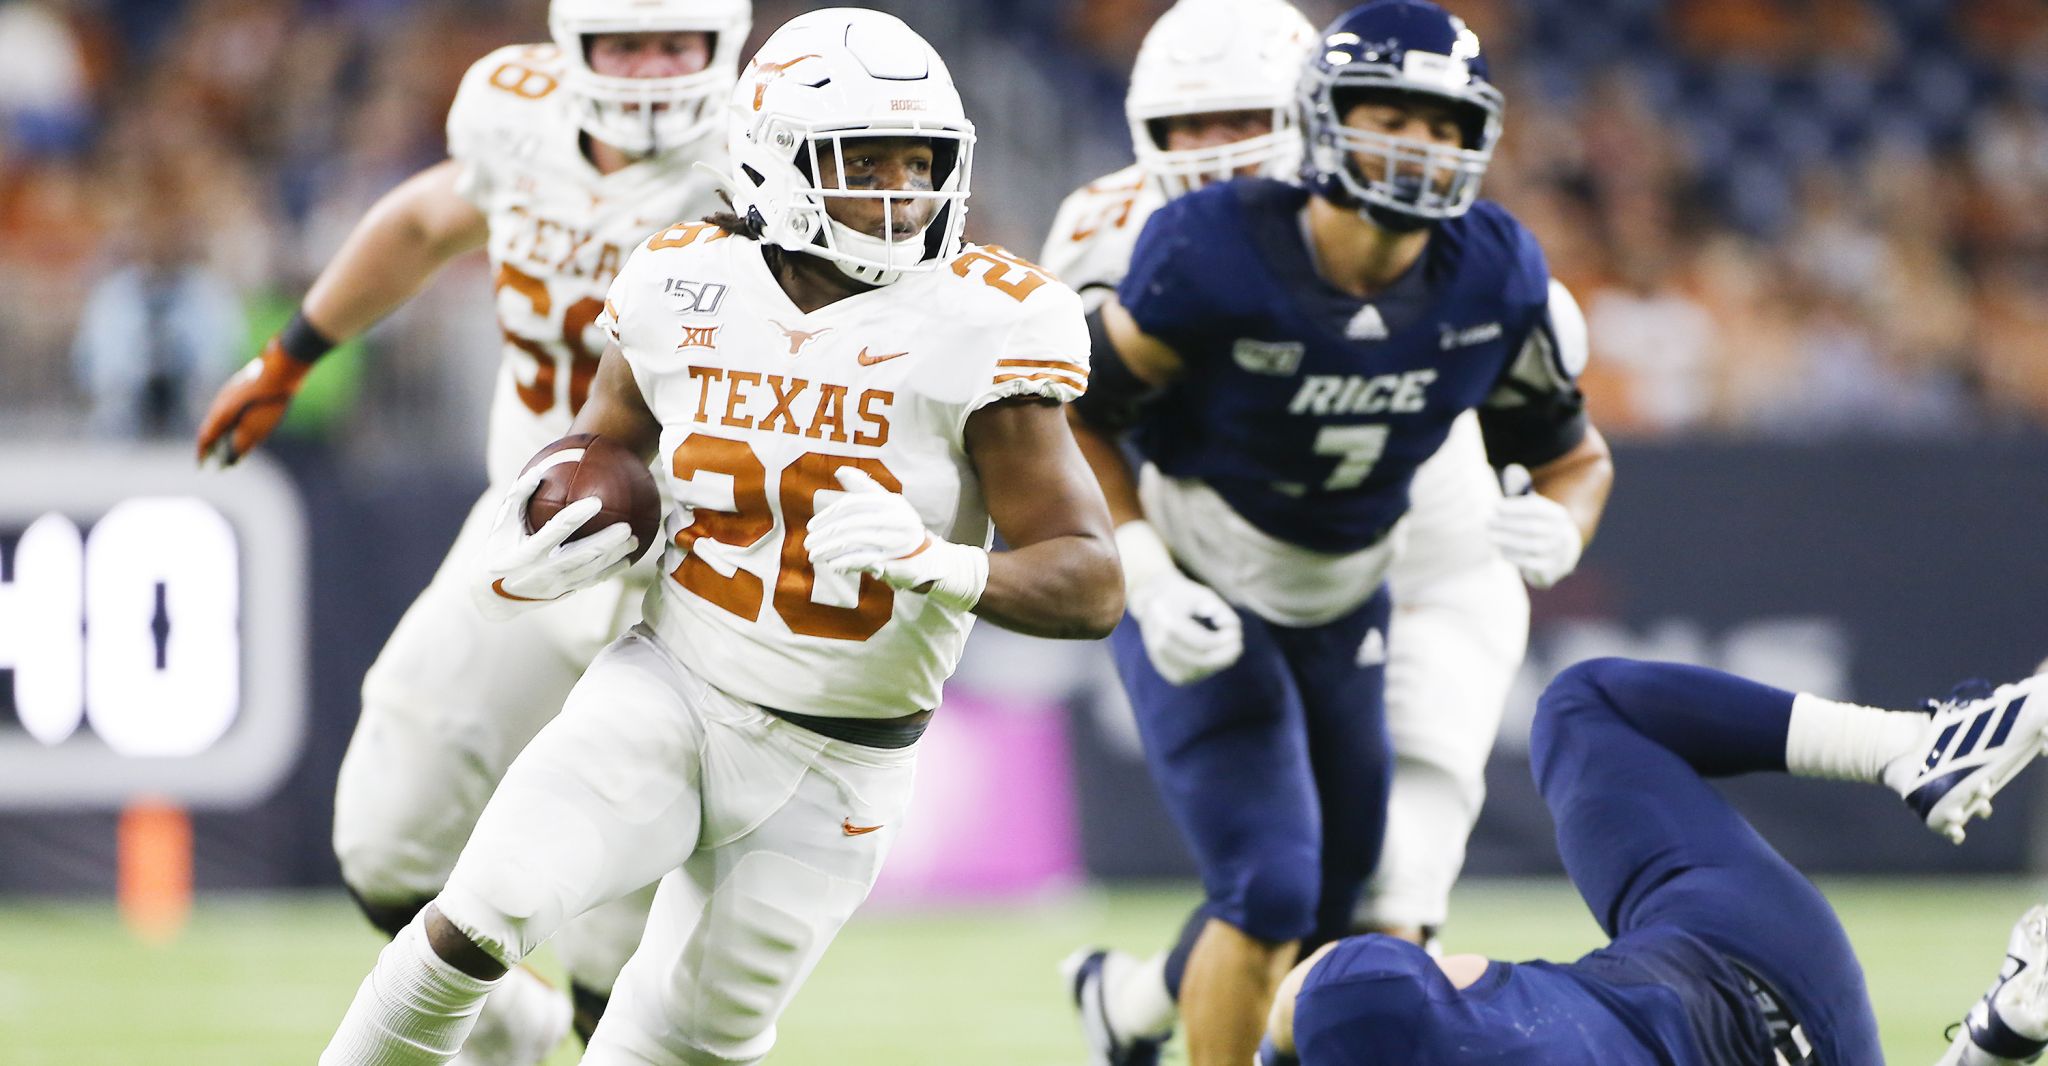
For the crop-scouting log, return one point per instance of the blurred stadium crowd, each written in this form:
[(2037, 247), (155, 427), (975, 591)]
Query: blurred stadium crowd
[(1785, 218)]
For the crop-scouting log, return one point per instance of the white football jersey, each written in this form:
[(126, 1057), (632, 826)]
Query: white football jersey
[(1095, 231), (761, 404), (559, 232)]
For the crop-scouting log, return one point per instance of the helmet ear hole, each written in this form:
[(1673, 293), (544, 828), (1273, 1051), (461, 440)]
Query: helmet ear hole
[(753, 175), (935, 233), (945, 156)]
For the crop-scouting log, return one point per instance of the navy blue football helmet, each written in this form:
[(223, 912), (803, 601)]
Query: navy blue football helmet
[(1393, 47)]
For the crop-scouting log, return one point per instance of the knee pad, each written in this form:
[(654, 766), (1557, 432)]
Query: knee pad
[(1273, 897), (594, 947), (507, 921), (387, 874)]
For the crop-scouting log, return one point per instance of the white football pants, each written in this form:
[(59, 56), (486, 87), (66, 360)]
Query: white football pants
[(764, 836), (451, 699)]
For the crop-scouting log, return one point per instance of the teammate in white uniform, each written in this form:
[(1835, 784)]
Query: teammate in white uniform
[(846, 404), (562, 158), (1212, 96)]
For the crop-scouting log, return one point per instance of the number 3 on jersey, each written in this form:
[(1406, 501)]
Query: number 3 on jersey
[(751, 518)]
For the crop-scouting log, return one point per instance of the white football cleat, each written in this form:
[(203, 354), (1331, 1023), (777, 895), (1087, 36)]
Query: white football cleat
[(1973, 745), (1084, 972), (2010, 1024)]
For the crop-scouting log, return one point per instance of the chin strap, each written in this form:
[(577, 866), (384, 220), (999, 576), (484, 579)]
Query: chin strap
[(845, 238)]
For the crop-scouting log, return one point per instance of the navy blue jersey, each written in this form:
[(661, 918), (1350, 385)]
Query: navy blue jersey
[(1656, 997), (1307, 409)]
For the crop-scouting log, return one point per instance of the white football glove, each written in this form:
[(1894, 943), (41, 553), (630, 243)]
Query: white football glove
[(522, 568), (1189, 631), (1534, 532), (870, 530)]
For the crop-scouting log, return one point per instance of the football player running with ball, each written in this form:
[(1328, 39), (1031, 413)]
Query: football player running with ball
[(1213, 97), (1284, 359), (1722, 954), (842, 430), (562, 158)]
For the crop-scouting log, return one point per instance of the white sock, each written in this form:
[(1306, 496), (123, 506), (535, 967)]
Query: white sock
[(1847, 741), (1135, 996), (413, 1009), (521, 1021)]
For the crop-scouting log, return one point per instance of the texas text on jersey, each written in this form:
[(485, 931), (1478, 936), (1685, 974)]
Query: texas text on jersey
[(761, 405)]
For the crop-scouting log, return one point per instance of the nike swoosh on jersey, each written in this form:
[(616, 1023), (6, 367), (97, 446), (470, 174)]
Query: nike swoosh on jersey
[(870, 360), (846, 826)]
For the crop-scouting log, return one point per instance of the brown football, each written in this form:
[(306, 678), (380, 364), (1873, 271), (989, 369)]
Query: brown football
[(607, 471)]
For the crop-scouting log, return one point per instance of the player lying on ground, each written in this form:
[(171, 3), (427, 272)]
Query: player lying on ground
[(1283, 360), (843, 429), (1212, 97), (561, 158), (1722, 954)]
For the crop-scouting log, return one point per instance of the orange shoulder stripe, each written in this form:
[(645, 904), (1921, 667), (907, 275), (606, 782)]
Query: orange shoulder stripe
[(1051, 364)]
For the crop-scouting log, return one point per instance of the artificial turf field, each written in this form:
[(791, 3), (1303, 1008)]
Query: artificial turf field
[(261, 981)]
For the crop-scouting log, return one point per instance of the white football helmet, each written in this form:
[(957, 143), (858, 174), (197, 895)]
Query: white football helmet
[(643, 116), (1205, 56), (832, 77)]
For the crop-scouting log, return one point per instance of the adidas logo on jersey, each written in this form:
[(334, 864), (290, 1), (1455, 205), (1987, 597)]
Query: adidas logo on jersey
[(1366, 325)]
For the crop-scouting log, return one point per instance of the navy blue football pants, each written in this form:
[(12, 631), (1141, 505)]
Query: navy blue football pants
[(1275, 769), (1621, 750)]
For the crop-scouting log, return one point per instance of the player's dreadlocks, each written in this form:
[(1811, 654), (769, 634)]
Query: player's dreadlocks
[(730, 221)]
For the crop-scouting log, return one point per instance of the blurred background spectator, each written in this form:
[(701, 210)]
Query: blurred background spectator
[(162, 326), (1785, 218)]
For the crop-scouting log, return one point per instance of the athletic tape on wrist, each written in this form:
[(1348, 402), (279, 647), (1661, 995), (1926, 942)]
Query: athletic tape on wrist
[(302, 341), (1144, 554)]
